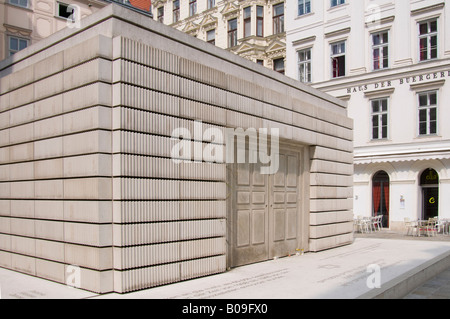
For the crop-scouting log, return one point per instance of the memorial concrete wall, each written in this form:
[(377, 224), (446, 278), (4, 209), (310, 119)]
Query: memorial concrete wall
[(90, 192)]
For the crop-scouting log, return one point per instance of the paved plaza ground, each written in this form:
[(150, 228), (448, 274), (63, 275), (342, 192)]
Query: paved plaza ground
[(437, 287), (341, 273)]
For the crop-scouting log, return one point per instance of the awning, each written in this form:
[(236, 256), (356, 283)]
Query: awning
[(411, 157)]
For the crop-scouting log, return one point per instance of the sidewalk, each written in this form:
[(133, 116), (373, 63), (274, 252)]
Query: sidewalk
[(343, 272)]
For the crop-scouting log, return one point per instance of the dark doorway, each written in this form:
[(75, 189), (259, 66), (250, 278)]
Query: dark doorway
[(380, 196), (429, 180)]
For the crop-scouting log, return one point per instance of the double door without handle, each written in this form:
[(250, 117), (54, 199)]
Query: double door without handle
[(266, 216)]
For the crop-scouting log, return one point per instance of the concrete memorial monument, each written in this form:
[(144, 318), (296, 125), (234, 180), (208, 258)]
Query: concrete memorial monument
[(115, 165)]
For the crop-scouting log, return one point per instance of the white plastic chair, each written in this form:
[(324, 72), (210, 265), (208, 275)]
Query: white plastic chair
[(378, 222), (362, 224), (431, 227), (411, 227), (422, 227), (372, 223), (445, 227), (442, 226)]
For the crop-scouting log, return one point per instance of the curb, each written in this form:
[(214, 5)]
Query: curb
[(401, 286)]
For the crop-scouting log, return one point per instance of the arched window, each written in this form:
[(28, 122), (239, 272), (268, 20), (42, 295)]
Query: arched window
[(429, 177), (380, 196)]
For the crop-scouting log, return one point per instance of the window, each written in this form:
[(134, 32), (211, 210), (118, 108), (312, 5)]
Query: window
[(211, 36), (65, 11), (259, 21), (304, 66), (192, 7), (278, 65), (232, 33), (379, 119), (278, 18), (247, 22), (427, 113), (16, 44), (428, 40), (211, 4), (304, 7), (335, 3), (20, 3), (161, 14), (380, 50), (380, 196), (338, 59), (260, 62), (176, 10)]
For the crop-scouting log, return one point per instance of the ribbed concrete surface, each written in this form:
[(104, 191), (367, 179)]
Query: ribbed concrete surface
[(337, 273), (86, 172)]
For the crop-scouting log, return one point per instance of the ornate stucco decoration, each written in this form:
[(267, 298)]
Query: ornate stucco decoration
[(191, 28), (208, 22), (12, 30), (229, 11), (276, 49), (158, 3)]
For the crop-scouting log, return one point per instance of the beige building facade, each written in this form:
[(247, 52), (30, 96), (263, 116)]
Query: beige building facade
[(113, 173), (25, 22), (253, 29)]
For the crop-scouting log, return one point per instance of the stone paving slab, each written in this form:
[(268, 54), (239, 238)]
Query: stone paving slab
[(435, 288)]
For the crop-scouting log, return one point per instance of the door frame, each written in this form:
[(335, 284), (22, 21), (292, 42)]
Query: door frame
[(303, 200), (423, 188), (423, 185)]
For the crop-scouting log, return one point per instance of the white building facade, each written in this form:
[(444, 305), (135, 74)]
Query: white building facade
[(390, 60)]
